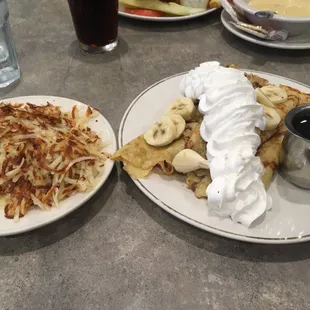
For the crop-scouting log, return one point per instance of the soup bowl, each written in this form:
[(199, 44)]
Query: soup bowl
[(294, 25)]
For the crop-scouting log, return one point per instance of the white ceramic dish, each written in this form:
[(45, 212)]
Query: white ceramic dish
[(300, 42), (294, 25), (121, 12), (287, 222), (37, 218)]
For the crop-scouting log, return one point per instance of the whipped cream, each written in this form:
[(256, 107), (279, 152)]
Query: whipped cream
[(231, 119)]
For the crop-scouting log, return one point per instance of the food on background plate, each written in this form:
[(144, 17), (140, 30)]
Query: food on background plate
[(244, 134), (297, 8), (214, 4), (46, 156), (157, 8), (144, 12), (202, 4)]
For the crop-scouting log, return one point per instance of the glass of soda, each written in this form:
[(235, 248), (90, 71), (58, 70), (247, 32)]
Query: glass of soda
[(96, 24)]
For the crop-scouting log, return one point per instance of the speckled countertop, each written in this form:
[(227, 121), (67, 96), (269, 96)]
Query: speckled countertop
[(120, 251)]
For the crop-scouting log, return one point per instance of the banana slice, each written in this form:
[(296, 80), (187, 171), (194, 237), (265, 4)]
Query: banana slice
[(188, 160), (275, 94), (183, 107), (273, 118), (179, 123), (161, 133), (262, 99)]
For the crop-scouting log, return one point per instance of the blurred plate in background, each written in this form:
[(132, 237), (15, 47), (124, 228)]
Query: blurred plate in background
[(121, 12)]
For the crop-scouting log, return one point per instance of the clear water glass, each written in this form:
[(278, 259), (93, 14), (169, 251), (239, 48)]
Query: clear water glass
[(9, 68)]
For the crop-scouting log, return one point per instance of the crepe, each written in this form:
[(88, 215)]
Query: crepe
[(271, 141), (195, 142), (140, 159), (303, 98), (269, 153), (282, 109), (198, 182), (256, 80)]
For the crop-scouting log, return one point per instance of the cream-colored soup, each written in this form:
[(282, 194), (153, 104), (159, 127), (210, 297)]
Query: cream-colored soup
[(283, 7)]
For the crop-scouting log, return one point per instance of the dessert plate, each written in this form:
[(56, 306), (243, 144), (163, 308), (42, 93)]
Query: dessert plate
[(287, 222), (121, 12), (300, 42), (37, 218)]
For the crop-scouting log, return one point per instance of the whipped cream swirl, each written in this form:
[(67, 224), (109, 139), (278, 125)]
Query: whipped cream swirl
[(231, 119)]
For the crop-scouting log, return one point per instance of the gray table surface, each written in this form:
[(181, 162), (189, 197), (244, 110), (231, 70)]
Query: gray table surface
[(121, 251)]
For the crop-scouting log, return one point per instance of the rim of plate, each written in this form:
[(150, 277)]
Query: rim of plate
[(109, 166), (166, 19), (225, 18), (169, 209)]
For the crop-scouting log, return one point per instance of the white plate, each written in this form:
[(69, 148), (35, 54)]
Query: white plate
[(121, 11), (300, 42), (36, 218), (287, 222)]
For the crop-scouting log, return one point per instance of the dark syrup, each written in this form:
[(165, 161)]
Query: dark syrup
[(301, 123), (95, 21)]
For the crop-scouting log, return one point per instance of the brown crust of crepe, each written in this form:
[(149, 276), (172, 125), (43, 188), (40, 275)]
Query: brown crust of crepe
[(269, 153), (282, 109), (166, 167), (195, 142), (303, 98), (256, 80), (198, 183)]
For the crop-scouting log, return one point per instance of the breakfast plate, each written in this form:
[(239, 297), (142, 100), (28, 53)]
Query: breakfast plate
[(121, 12), (36, 218), (286, 222), (299, 42)]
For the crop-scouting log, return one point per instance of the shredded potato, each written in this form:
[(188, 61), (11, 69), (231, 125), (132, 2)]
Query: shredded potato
[(46, 156)]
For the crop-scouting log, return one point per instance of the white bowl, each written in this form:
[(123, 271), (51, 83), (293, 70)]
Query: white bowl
[(294, 25)]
